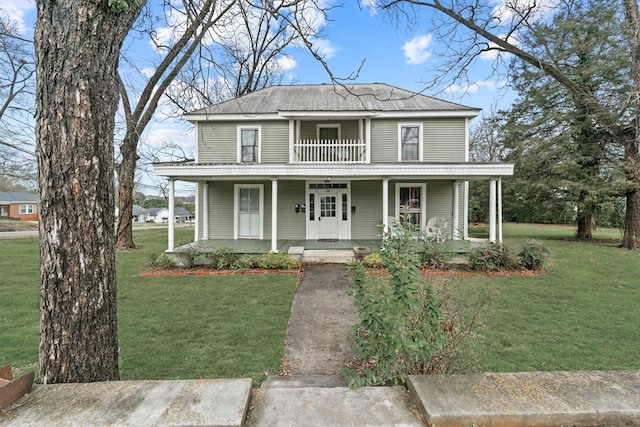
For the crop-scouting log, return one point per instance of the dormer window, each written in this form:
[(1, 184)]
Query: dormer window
[(249, 144), (410, 142)]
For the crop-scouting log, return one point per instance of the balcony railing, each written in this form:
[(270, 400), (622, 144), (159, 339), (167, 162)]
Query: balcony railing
[(329, 151)]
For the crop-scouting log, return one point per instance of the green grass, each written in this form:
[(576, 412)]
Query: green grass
[(583, 314), (169, 327)]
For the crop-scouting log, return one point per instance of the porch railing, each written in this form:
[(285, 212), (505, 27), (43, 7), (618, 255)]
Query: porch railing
[(329, 151)]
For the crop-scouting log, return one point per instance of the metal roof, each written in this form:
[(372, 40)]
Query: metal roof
[(374, 97), (17, 197)]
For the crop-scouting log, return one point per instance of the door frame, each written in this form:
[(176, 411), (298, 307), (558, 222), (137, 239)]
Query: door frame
[(343, 207), (236, 210)]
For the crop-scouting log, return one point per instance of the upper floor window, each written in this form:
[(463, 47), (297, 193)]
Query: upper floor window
[(27, 209), (410, 142), (249, 144), (329, 132)]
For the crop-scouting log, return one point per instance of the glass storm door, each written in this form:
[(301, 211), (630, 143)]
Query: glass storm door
[(328, 218), (249, 213)]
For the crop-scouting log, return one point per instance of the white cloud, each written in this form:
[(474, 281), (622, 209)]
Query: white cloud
[(324, 48), (162, 135), (287, 63), (371, 4), (416, 50), (506, 10), (489, 85), (15, 11)]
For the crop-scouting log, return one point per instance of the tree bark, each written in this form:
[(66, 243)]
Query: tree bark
[(77, 44), (126, 175)]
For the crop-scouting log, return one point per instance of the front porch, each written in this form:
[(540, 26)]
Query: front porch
[(259, 247)]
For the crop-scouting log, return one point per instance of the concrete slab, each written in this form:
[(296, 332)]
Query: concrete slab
[(327, 256), (134, 403), (583, 398), (339, 406)]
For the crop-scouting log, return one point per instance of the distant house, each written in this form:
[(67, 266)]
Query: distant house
[(161, 215), (140, 214), (19, 205)]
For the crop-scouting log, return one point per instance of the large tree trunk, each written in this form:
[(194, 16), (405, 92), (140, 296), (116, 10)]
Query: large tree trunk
[(77, 45)]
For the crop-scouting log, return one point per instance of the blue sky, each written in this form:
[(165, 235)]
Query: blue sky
[(392, 52)]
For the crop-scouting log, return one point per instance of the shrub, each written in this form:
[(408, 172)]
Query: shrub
[(223, 259), (432, 256), (247, 262), (400, 329), (183, 259), (373, 260), (496, 257), (278, 261), (160, 260), (534, 255)]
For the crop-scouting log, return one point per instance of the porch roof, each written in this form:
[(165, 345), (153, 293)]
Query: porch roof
[(216, 171)]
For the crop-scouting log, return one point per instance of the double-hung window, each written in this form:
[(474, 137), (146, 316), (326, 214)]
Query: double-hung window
[(410, 142), (248, 144), (26, 209)]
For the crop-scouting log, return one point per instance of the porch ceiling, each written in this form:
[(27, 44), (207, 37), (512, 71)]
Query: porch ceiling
[(461, 171)]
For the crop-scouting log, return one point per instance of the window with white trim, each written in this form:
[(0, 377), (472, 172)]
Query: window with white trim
[(411, 204), (249, 144), (27, 209), (410, 142), (328, 132)]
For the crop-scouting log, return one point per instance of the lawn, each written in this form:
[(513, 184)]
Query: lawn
[(169, 327), (583, 314)]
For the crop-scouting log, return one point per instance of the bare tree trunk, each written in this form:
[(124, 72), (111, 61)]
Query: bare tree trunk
[(126, 174), (77, 45), (585, 227)]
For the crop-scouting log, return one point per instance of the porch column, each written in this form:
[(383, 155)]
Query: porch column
[(367, 132), (456, 211), (274, 215), (196, 224), (499, 194), (205, 211), (492, 211), (292, 134), (385, 204), (172, 216)]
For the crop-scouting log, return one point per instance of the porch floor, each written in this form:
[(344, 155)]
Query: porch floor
[(251, 246), (254, 246)]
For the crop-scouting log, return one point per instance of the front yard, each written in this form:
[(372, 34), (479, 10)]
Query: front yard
[(582, 314)]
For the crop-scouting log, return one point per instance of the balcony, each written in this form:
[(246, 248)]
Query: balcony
[(330, 151)]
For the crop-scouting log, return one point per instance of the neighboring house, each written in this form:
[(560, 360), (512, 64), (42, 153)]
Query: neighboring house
[(19, 205), (180, 215), (140, 214), (328, 162)]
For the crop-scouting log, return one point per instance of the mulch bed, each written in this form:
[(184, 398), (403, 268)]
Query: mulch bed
[(208, 271)]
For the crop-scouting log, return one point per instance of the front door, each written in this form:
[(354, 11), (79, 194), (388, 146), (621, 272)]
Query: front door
[(328, 217)]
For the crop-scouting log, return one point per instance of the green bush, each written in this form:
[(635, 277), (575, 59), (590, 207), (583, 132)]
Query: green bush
[(223, 259), (278, 261), (432, 256), (400, 320), (495, 257), (373, 260), (534, 255), (247, 262), (160, 260)]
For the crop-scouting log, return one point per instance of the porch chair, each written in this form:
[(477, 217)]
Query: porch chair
[(435, 229), (393, 225)]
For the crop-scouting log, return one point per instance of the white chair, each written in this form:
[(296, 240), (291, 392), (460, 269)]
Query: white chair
[(435, 229)]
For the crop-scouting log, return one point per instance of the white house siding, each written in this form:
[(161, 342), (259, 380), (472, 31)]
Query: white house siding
[(444, 140), (291, 225), (366, 196), (348, 128), (440, 201), (275, 141), (218, 142), (221, 210), (384, 141)]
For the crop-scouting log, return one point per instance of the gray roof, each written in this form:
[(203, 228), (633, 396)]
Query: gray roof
[(375, 97), (139, 210), (17, 197)]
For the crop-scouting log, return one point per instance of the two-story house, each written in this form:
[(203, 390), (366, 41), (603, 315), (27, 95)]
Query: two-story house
[(316, 162)]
